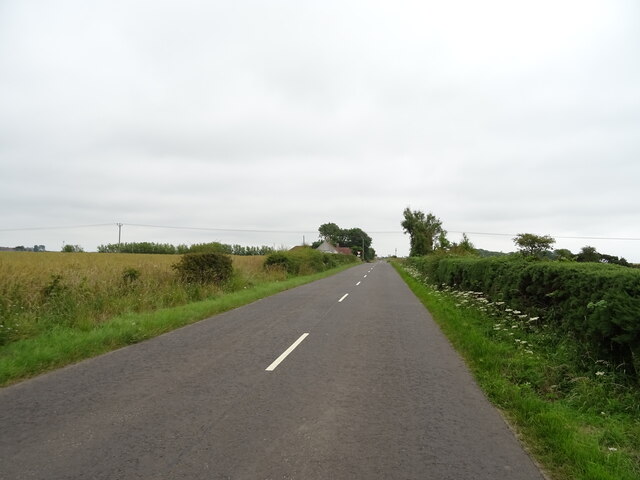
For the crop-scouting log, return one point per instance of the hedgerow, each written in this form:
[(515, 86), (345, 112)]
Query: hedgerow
[(303, 261), (598, 304)]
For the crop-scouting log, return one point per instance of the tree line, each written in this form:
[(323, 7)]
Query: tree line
[(167, 248), (427, 236)]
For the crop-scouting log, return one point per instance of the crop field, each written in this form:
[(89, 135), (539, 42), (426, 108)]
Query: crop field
[(60, 308), (44, 290)]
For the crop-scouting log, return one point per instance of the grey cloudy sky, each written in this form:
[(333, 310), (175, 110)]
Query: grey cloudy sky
[(497, 116)]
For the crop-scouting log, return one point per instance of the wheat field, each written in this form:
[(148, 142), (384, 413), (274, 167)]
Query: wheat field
[(42, 290)]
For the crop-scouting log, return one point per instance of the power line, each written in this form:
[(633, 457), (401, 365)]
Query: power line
[(515, 234), (67, 227), (554, 236), (219, 229), (245, 230)]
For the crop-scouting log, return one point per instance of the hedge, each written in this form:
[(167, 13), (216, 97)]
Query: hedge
[(303, 261), (598, 304)]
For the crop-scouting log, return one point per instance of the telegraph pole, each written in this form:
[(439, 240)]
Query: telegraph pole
[(119, 234)]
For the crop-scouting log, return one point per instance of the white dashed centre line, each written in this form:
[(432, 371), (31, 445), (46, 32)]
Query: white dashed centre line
[(365, 276), (358, 283), (343, 297), (284, 355)]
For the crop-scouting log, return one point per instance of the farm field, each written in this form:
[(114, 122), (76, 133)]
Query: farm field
[(44, 290), (59, 308)]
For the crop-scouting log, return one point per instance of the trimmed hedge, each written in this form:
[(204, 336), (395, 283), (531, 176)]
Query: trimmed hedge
[(304, 261), (596, 303)]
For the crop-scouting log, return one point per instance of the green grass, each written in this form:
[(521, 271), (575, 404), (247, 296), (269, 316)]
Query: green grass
[(63, 345), (577, 416)]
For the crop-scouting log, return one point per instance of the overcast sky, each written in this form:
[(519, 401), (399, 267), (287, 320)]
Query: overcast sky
[(497, 116)]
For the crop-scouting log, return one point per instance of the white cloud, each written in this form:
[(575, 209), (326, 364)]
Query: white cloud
[(497, 116)]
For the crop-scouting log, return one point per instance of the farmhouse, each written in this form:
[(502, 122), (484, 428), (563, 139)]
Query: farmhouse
[(330, 248)]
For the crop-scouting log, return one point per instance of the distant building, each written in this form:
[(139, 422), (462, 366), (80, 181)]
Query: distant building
[(330, 248)]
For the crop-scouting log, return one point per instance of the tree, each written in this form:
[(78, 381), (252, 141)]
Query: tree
[(354, 238), (331, 232), (72, 248), (604, 258), (564, 254), (533, 245), (426, 232), (588, 254), (465, 247)]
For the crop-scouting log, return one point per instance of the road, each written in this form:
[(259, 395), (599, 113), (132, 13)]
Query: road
[(373, 391)]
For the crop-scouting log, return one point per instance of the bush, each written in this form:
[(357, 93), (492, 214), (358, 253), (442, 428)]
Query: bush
[(282, 260), (306, 260), (72, 249), (204, 268), (130, 275), (597, 304)]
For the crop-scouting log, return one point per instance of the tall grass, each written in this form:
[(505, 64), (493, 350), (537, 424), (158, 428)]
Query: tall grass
[(62, 345), (580, 417), (45, 290), (58, 308)]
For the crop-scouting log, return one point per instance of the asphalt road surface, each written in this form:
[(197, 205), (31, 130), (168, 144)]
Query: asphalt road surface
[(344, 378)]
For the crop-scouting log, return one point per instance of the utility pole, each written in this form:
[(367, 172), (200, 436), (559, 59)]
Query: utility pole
[(119, 234)]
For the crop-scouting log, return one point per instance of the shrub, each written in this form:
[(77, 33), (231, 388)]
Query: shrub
[(204, 268), (282, 260), (597, 304), (72, 249), (130, 275), (305, 261)]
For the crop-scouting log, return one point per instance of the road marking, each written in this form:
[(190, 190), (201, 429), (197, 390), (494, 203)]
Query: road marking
[(365, 276), (284, 355), (343, 297), (358, 283)]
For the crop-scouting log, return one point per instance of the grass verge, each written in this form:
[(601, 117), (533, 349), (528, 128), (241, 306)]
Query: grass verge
[(577, 425), (64, 345)]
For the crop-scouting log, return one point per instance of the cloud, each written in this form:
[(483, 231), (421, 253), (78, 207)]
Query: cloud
[(498, 116)]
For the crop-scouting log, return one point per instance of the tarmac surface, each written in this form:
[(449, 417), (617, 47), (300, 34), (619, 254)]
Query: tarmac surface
[(373, 391)]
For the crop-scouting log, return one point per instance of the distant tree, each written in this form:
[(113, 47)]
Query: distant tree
[(137, 247), (604, 258), (72, 249), (533, 245), (588, 254), (354, 238), (211, 247), (20, 248), (425, 231), (564, 254), (331, 233), (39, 248), (465, 247)]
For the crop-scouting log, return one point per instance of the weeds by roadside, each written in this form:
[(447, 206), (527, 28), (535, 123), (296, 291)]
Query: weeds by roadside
[(579, 415), (66, 342)]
